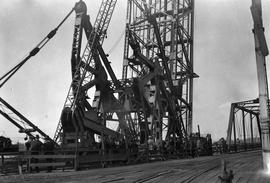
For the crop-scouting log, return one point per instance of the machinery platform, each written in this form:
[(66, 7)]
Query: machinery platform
[(246, 167)]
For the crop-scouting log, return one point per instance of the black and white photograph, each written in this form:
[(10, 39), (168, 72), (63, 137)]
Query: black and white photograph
[(134, 91)]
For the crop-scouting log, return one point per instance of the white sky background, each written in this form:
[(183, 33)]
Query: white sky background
[(224, 58)]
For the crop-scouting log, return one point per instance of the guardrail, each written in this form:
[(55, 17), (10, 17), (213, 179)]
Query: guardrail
[(30, 162)]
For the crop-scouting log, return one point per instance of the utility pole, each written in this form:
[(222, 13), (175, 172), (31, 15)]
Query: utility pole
[(261, 52)]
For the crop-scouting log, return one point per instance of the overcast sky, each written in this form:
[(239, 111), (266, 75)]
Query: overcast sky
[(224, 58)]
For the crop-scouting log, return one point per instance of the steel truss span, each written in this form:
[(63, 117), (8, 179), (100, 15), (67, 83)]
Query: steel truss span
[(244, 129)]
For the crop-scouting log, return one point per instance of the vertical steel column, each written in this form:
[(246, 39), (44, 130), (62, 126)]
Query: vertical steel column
[(261, 52), (244, 129), (230, 126), (259, 126), (251, 130), (190, 115), (234, 134)]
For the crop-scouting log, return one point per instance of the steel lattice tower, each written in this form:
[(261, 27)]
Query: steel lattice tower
[(161, 31)]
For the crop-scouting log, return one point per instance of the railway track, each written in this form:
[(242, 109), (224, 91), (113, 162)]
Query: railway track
[(203, 169)]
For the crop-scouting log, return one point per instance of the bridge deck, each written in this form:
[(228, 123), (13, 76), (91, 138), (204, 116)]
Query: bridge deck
[(246, 167)]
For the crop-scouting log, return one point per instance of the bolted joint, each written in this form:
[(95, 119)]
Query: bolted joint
[(152, 19)]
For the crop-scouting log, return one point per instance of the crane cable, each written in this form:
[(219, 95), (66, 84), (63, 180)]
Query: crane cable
[(33, 52), (114, 46)]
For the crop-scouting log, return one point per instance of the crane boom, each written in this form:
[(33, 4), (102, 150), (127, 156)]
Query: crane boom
[(20, 121), (97, 34)]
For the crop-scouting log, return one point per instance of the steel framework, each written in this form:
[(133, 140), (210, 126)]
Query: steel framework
[(245, 138), (153, 100), (84, 67), (152, 103), (158, 61), (21, 122)]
